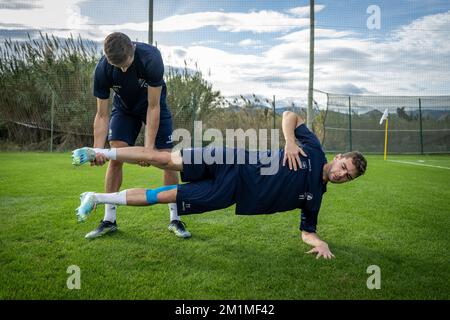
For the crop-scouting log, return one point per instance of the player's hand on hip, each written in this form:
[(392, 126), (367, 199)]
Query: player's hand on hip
[(100, 159), (291, 156), (322, 251)]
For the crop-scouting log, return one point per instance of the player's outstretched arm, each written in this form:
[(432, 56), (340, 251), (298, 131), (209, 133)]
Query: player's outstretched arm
[(320, 246)]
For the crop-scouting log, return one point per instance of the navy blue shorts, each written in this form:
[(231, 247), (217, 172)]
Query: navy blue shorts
[(125, 126), (210, 186)]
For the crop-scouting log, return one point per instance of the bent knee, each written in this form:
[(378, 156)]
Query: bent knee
[(118, 144), (115, 164)]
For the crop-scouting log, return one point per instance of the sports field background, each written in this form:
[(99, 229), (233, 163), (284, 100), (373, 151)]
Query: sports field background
[(396, 217)]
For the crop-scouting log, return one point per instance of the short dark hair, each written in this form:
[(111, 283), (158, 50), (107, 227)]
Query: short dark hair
[(118, 48), (358, 161)]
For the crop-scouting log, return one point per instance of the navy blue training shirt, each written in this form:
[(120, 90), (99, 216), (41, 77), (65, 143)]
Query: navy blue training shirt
[(130, 87), (287, 189)]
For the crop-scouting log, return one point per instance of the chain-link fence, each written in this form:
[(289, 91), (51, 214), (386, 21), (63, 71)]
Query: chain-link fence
[(235, 65), (416, 124)]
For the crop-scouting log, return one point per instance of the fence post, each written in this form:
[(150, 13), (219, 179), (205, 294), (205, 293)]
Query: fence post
[(420, 121), (194, 109), (324, 120), (150, 22), (274, 114), (350, 122), (52, 111)]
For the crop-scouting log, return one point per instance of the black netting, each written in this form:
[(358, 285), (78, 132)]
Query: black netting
[(415, 124)]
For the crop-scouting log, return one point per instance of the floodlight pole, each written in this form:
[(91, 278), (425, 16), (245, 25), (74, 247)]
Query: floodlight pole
[(52, 120), (421, 130), (150, 41), (150, 22), (274, 112), (386, 139), (309, 112), (350, 123)]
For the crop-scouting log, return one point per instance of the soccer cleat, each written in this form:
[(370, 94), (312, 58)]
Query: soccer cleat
[(82, 155), (179, 228), (87, 204), (104, 228)]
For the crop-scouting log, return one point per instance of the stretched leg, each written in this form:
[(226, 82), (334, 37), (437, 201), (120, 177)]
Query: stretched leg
[(128, 197), (162, 159), (139, 196)]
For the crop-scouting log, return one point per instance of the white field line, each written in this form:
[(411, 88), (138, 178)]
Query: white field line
[(420, 164)]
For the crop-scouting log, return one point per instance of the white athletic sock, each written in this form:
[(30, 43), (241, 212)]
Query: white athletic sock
[(173, 212), (119, 198), (110, 213), (111, 200), (111, 154)]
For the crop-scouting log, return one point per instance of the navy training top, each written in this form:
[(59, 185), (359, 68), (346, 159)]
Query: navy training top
[(286, 189), (130, 87)]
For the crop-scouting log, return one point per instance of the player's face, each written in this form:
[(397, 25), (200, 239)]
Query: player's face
[(342, 170)]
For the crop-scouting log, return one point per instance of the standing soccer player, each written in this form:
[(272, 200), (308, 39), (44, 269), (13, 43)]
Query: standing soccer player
[(134, 71)]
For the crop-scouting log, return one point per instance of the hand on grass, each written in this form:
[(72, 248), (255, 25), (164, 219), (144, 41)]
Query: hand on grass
[(322, 251)]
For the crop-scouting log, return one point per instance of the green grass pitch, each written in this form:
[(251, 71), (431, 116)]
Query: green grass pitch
[(397, 217)]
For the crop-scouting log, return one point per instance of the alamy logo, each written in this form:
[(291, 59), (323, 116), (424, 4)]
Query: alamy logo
[(258, 142), (74, 280), (373, 281), (374, 20)]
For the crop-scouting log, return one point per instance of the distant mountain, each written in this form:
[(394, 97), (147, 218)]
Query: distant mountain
[(237, 102)]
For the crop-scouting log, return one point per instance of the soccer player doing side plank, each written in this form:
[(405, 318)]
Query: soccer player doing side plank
[(299, 182)]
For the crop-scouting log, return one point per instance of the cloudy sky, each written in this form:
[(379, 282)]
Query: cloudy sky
[(262, 46)]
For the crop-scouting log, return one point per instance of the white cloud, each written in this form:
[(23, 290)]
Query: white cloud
[(46, 14), (126, 26), (304, 11), (257, 22), (239, 73), (303, 35), (249, 43), (62, 17), (412, 59)]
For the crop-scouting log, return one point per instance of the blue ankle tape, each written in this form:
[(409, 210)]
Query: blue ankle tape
[(152, 194)]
